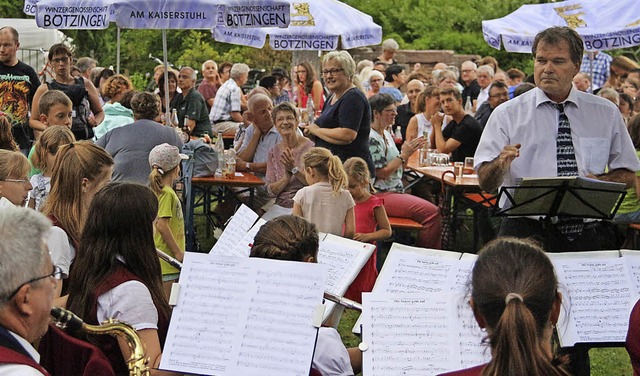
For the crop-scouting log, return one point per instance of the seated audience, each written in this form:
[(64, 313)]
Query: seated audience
[(407, 110), (116, 114), (285, 170), (130, 145), (427, 105), (389, 163), (498, 94), (462, 134)]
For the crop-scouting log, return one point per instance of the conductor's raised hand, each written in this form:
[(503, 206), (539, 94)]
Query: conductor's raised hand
[(509, 153)]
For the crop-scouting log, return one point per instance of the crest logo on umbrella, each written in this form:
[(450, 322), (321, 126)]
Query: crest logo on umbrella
[(573, 20), (302, 10)]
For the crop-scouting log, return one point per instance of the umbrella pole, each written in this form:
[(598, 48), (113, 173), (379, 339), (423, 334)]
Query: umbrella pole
[(118, 50), (166, 77), (591, 57)]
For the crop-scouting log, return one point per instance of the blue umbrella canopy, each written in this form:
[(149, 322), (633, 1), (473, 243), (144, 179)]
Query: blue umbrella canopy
[(602, 24), (316, 25)]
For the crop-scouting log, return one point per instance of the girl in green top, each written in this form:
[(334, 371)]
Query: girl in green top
[(169, 236)]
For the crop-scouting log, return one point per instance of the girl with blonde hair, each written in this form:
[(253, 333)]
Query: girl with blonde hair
[(14, 178), (325, 202), (43, 159)]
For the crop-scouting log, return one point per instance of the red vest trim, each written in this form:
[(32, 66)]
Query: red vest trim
[(8, 356)]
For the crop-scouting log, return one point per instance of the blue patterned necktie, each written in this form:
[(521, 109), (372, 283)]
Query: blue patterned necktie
[(567, 166)]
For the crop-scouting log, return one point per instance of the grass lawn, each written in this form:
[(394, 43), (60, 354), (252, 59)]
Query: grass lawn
[(604, 361)]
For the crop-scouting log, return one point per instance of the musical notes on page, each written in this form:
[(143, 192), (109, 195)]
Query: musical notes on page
[(417, 335), (244, 316), (598, 292), (344, 259), (230, 242)]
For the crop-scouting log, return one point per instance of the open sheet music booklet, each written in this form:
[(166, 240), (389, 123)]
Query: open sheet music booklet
[(343, 257), (245, 316), (417, 319), (602, 195)]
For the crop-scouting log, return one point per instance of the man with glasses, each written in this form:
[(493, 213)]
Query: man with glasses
[(471, 88), (498, 94), (81, 91), (18, 85), (28, 280)]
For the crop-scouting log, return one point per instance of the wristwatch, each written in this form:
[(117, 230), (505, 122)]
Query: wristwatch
[(295, 170), (248, 166)]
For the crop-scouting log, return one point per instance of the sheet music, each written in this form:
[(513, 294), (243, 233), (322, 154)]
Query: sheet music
[(406, 271), (278, 338), (244, 316), (597, 289), (234, 233), (344, 259), (206, 316), (411, 335), (632, 259)]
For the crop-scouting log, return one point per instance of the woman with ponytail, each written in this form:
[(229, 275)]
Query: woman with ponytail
[(325, 202), (515, 298)]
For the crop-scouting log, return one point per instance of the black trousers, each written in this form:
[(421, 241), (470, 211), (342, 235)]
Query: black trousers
[(602, 235)]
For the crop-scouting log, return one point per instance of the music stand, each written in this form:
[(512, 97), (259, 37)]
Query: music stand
[(562, 197)]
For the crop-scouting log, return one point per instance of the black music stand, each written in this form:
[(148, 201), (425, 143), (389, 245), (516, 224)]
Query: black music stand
[(562, 197)]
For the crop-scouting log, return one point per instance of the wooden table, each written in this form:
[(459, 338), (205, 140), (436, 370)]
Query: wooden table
[(454, 191), (213, 190)]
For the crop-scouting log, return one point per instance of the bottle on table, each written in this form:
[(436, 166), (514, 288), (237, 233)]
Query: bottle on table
[(174, 118), (310, 111), (219, 148), (468, 107), (397, 136), (423, 159)]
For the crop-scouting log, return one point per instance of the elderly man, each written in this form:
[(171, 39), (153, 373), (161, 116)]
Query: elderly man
[(210, 82), (389, 48), (601, 67), (19, 82), (192, 109), (226, 113), (484, 77), (260, 137), (85, 66), (582, 82), (468, 75), (498, 94), (29, 280)]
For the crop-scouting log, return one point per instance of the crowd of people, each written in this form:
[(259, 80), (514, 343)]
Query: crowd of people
[(100, 160)]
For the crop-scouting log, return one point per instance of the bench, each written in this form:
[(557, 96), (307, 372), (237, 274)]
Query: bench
[(404, 224)]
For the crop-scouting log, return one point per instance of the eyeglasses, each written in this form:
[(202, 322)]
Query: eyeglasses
[(20, 181), (500, 95), (331, 72), (56, 274), (467, 70), (59, 60), (390, 110)]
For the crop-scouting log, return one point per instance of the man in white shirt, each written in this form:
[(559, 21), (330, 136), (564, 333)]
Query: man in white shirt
[(485, 77), (28, 280)]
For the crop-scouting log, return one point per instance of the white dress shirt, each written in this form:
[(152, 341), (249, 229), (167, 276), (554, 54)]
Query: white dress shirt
[(600, 138)]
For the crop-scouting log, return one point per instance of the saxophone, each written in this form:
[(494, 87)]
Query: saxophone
[(137, 363)]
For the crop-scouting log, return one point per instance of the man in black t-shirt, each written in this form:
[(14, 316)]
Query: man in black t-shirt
[(462, 134), (18, 84)]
